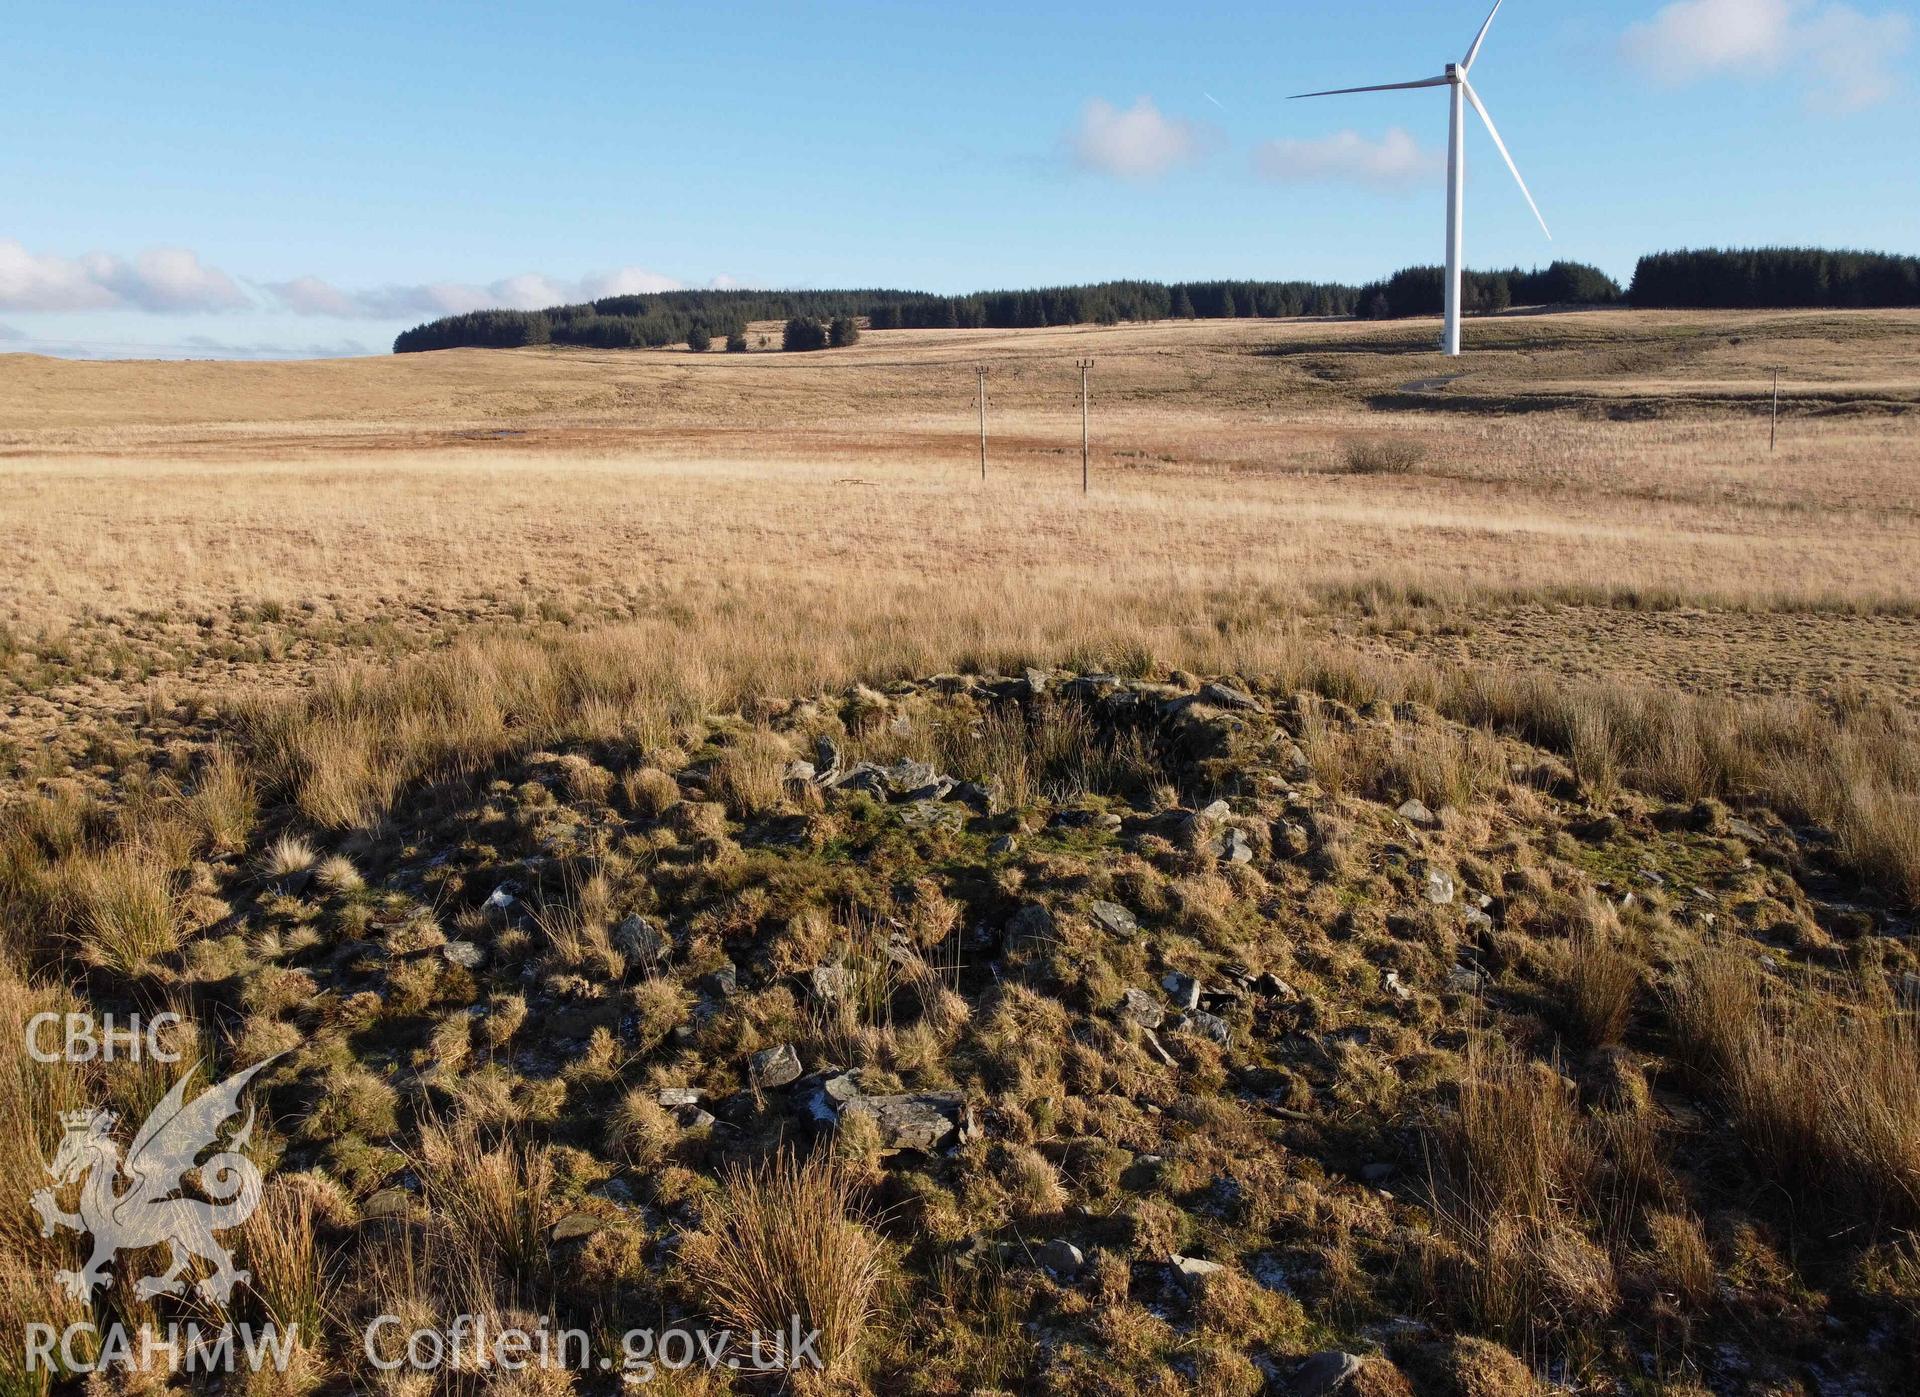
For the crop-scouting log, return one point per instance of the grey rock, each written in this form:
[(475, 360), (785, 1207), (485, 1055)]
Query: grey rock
[(1274, 987), (1031, 923), (907, 775), (502, 897), (826, 760), (1393, 985), (1192, 1268), (1087, 819), (937, 789), (1002, 844), (1290, 840), (576, 1227), (640, 940), (386, 1203), (922, 1121), (931, 814), (1209, 1026), (801, 771), (694, 1118), (1327, 1374), (1219, 810), (464, 954), (1234, 847), (1464, 980), (1036, 682), (1157, 1049), (1376, 1173), (830, 983), (1439, 886), (722, 981), (1062, 1258), (775, 1067), (1415, 813), (840, 1087), (984, 798), (864, 777), (616, 1191), (1183, 990), (1114, 919), (679, 1096), (1226, 696), (1141, 1008)]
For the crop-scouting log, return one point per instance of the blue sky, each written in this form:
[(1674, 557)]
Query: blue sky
[(289, 179)]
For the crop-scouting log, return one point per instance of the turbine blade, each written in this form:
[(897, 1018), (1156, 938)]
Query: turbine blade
[(1481, 37), (1494, 132), (1384, 87)]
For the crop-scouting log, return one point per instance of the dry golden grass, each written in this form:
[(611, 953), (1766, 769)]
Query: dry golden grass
[(1826, 1091), (232, 522), (784, 1241)]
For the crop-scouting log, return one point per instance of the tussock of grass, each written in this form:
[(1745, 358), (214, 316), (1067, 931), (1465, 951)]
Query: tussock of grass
[(1600, 981), (491, 1200), (784, 1240), (1513, 1166), (282, 1252), (121, 907), (1825, 1091)]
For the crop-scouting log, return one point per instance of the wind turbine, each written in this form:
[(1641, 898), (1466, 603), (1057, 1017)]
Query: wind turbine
[(1462, 92)]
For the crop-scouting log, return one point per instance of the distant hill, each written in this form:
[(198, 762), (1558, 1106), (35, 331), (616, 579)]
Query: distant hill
[(667, 317), (1718, 279)]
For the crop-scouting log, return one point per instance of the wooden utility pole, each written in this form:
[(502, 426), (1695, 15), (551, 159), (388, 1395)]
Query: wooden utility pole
[(1085, 449), (980, 371), (1773, 432)]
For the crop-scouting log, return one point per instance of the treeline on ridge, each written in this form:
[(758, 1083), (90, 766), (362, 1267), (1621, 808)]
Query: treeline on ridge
[(659, 318), (1423, 290), (1761, 278), (1775, 278)]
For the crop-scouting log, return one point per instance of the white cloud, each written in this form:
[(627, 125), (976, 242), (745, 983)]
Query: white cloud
[(1841, 57), (1138, 143), (1395, 161), (162, 280), (207, 345), (309, 295), (173, 280)]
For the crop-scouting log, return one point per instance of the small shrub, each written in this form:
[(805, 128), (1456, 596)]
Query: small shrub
[(1384, 456), (737, 342), (843, 331), (699, 341)]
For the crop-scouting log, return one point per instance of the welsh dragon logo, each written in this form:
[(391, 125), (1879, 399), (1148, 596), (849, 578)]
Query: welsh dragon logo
[(148, 1211)]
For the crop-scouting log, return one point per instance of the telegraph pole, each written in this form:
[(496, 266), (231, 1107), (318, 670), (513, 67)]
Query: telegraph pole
[(1773, 432), (980, 370), (1085, 449)]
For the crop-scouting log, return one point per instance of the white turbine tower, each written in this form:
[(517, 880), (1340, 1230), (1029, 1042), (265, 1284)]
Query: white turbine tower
[(1456, 78)]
